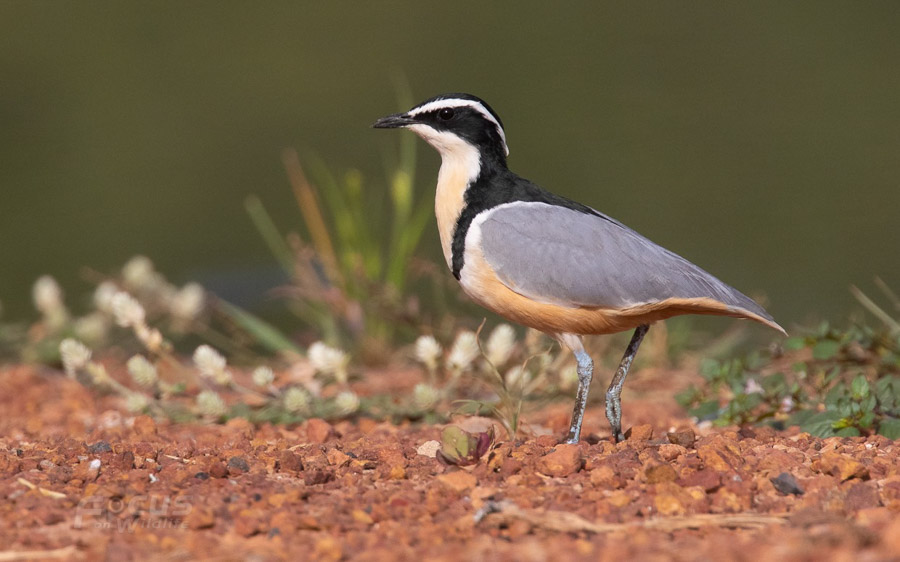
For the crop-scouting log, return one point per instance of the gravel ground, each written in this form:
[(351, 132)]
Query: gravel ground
[(82, 480)]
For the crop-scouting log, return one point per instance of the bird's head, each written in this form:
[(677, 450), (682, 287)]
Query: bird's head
[(454, 124)]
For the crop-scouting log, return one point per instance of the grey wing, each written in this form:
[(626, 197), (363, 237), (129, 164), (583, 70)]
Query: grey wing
[(562, 256)]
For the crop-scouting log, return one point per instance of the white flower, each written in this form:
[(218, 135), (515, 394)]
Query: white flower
[(516, 378), (136, 402), (47, 295), (296, 400), (138, 272), (263, 376), (346, 403), (329, 361), (75, 355), (209, 403), (128, 311), (425, 396), (212, 364), (103, 296), (98, 374), (464, 351), (187, 303), (142, 371), (500, 344), (752, 387), (92, 328), (428, 351), (787, 404)]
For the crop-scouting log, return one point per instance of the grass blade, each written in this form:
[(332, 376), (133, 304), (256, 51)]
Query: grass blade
[(264, 333)]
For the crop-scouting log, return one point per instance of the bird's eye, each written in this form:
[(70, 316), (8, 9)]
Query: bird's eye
[(446, 114)]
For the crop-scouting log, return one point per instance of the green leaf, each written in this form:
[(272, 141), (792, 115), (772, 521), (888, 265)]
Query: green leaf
[(821, 424), (860, 387), (775, 384), (886, 389), (835, 396), (890, 428), (710, 368), (688, 396), (793, 344), (706, 411), (847, 432), (826, 349)]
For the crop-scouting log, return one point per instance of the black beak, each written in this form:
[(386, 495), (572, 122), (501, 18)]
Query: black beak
[(394, 121)]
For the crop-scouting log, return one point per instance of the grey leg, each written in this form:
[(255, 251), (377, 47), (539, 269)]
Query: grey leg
[(585, 372), (613, 394)]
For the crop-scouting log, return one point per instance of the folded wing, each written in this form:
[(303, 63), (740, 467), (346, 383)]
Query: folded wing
[(566, 257)]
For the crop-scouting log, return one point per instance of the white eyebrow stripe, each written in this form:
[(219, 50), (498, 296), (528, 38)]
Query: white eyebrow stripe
[(456, 102)]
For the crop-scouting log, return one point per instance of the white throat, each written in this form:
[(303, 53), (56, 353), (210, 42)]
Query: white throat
[(460, 165)]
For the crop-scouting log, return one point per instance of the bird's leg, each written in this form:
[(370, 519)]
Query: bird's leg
[(585, 372), (613, 394)]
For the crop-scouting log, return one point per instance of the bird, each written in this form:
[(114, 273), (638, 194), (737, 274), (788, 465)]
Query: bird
[(548, 262)]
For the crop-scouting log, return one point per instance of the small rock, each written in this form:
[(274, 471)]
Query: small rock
[(337, 458), (242, 426), (660, 473), (360, 516), (200, 518), (319, 430), (308, 523), (328, 548), (604, 476), (842, 466), (510, 466), (87, 471), (237, 465), (144, 426), (683, 437), (289, 461), (248, 522), (429, 448), (217, 469), (726, 501), (285, 521), (619, 498), (99, 447), (318, 477), (787, 484), (777, 460), (707, 479), (667, 504), (861, 495), (397, 472), (720, 453), (670, 452), (562, 461), (121, 461), (639, 433), (458, 481)]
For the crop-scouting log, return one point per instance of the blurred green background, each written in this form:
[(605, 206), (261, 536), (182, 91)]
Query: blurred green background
[(760, 140)]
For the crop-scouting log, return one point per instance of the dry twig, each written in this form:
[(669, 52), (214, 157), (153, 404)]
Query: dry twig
[(565, 522)]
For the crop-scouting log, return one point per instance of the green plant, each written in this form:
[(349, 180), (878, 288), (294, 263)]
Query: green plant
[(461, 448), (350, 273), (828, 381), (497, 379)]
